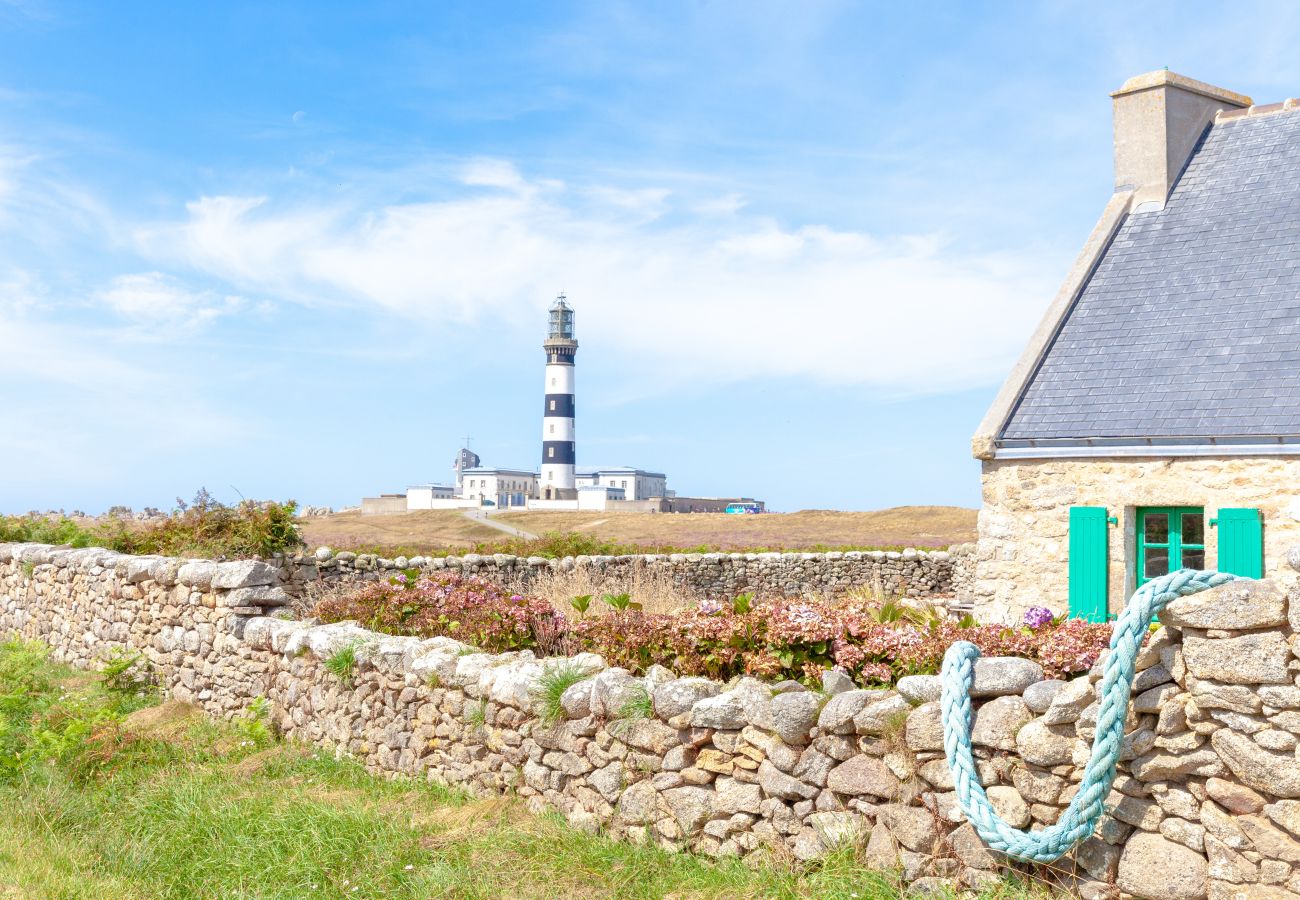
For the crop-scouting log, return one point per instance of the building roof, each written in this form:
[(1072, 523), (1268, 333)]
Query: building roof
[(619, 470), (1189, 326), (489, 470)]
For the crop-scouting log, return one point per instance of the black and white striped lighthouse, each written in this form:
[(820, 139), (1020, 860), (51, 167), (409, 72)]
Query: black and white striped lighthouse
[(558, 445)]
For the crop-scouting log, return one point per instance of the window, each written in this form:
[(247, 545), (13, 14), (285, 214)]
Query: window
[(624, 482), (552, 385), (550, 453), (1169, 538), (552, 406), (552, 429), (550, 476)]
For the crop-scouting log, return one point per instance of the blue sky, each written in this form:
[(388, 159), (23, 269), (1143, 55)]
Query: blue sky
[(302, 250)]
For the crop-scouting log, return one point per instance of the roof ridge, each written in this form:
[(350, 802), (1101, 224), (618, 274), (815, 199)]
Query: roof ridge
[(1253, 111)]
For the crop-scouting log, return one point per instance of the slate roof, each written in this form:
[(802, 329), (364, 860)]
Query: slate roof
[(1190, 325)]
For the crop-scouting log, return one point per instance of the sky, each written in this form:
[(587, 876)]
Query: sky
[(303, 250)]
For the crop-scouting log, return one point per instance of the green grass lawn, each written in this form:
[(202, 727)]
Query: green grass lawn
[(106, 795)]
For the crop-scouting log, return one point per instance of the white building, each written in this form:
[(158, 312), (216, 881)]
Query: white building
[(598, 498), (498, 487), (429, 496), (636, 484)]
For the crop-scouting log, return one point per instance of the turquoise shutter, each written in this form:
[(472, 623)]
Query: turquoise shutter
[(1088, 563), (1241, 542)]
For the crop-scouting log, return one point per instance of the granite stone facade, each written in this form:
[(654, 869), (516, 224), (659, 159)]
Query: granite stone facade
[(1021, 559)]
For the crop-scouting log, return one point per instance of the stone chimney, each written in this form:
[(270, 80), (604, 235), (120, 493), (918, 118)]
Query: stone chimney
[(1159, 117)]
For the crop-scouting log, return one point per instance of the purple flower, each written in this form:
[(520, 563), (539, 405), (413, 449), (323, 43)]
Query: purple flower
[(1038, 616), (710, 607), (401, 579)]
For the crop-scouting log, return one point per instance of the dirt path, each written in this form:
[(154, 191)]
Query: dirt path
[(484, 517)]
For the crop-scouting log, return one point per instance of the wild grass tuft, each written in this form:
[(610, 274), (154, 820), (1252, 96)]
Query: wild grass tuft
[(550, 687), (637, 705), (476, 715), (342, 663)]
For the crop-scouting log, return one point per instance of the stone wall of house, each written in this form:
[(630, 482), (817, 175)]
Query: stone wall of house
[(1021, 556), (911, 573), (1207, 803)]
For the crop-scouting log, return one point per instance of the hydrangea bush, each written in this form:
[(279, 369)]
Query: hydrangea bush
[(789, 638), (469, 609)]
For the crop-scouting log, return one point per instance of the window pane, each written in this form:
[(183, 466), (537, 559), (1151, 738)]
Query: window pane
[(1193, 528), (1193, 559), (1156, 528), (1157, 563)]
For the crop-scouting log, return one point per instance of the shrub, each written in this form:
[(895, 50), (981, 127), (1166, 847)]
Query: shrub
[(37, 529), (467, 608), (777, 639), (204, 527)]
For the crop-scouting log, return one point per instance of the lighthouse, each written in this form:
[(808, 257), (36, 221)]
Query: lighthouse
[(557, 474)]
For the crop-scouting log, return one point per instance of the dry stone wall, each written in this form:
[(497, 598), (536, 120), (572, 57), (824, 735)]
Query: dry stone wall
[(1206, 805), (912, 573)]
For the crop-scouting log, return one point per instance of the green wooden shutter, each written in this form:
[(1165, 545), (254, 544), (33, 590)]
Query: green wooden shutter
[(1088, 563), (1241, 542)]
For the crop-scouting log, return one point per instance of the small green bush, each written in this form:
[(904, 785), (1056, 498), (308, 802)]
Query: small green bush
[(254, 724), (127, 673)]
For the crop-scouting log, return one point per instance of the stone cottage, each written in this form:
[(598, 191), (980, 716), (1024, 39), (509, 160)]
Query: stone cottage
[(1153, 422)]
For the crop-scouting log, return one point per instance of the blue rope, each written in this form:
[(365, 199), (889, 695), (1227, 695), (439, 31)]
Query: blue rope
[(1085, 810)]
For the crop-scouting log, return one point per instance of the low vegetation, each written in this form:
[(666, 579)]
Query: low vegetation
[(204, 527), (112, 796), (551, 685), (437, 532), (468, 608), (789, 638)]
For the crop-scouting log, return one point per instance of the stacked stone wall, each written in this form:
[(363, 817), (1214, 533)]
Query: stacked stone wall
[(1207, 802), (912, 573)]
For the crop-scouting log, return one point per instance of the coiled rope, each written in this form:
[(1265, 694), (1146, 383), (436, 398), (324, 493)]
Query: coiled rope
[(1085, 810)]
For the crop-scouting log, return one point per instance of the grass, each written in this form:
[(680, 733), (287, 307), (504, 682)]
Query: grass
[(342, 663), (476, 714), (434, 532), (178, 806), (550, 687), (638, 705)]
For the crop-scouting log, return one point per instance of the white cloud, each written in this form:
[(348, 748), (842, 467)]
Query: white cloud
[(157, 302), (85, 413), (680, 291), (492, 173)]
